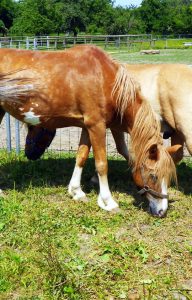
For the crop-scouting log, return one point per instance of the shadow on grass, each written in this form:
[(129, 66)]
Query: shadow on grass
[(184, 175), (56, 172)]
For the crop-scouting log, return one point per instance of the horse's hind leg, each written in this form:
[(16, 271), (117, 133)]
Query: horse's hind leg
[(74, 188), (120, 143), (98, 141)]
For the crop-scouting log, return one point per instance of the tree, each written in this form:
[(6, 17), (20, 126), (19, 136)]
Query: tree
[(166, 16), (125, 21), (150, 11), (72, 16), (7, 11), (3, 29), (32, 18), (99, 14)]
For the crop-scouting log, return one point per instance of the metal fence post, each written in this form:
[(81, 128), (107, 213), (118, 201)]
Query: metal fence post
[(17, 136), (27, 42), (35, 43), (8, 131), (48, 46)]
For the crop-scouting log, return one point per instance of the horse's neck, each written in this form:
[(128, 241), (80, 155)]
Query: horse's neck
[(148, 77), (130, 115)]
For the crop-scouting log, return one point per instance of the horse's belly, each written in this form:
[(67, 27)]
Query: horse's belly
[(60, 122)]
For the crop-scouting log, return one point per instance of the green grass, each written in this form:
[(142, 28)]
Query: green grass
[(165, 56), (52, 247)]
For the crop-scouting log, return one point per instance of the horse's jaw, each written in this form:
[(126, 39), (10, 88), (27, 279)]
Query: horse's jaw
[(158, 207)]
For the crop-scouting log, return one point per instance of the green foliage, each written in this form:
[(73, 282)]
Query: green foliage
[(41, 17), (32, 18), (7, 10), (125, 21)]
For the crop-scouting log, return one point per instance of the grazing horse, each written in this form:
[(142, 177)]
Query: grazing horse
[(84, 87), (168, 88)]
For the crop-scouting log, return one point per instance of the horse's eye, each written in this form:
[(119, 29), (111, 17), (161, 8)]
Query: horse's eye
[(154, 177)]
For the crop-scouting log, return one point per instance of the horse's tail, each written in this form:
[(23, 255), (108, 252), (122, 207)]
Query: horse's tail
[(13, 89), (124, 89)]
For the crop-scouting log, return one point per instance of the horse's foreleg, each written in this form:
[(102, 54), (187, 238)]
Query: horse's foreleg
[(98, 142), (120, 143), (187, 133), (121, 147), (74, 188)]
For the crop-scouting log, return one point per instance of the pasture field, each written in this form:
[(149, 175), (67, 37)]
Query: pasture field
[(166, 56), (52, 247)]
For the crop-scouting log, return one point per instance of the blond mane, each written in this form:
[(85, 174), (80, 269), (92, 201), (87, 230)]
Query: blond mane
[(145, 133), (146, 127), (124, 89)]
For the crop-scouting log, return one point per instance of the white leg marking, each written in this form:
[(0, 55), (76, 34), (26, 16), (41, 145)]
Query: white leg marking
[(74, 188), (164, 200), (105, 200)]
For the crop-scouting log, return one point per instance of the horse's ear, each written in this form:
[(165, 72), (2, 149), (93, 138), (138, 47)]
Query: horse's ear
[(174, 149), (153, 152), (176, 152)]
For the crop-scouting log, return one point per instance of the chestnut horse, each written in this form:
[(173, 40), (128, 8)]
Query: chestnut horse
[(84, 87)]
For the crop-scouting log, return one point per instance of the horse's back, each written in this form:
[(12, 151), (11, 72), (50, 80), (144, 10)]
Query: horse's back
[(74, 84), (175, 94), (168, 88)]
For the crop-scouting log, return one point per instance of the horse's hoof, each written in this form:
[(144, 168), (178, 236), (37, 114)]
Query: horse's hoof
[(84, 199), (116, 210), (2, 193), (81, 199)]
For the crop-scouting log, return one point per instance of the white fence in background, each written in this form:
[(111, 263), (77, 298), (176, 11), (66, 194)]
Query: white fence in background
[(63, 42), (13, 134)]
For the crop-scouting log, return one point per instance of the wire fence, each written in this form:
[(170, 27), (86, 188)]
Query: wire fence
[(13, 135)]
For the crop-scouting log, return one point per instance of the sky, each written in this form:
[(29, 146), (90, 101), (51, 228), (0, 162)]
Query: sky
[(127, 2)]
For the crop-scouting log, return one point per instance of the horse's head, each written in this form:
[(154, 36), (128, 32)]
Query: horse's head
[(153, 177), (37, 140)]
